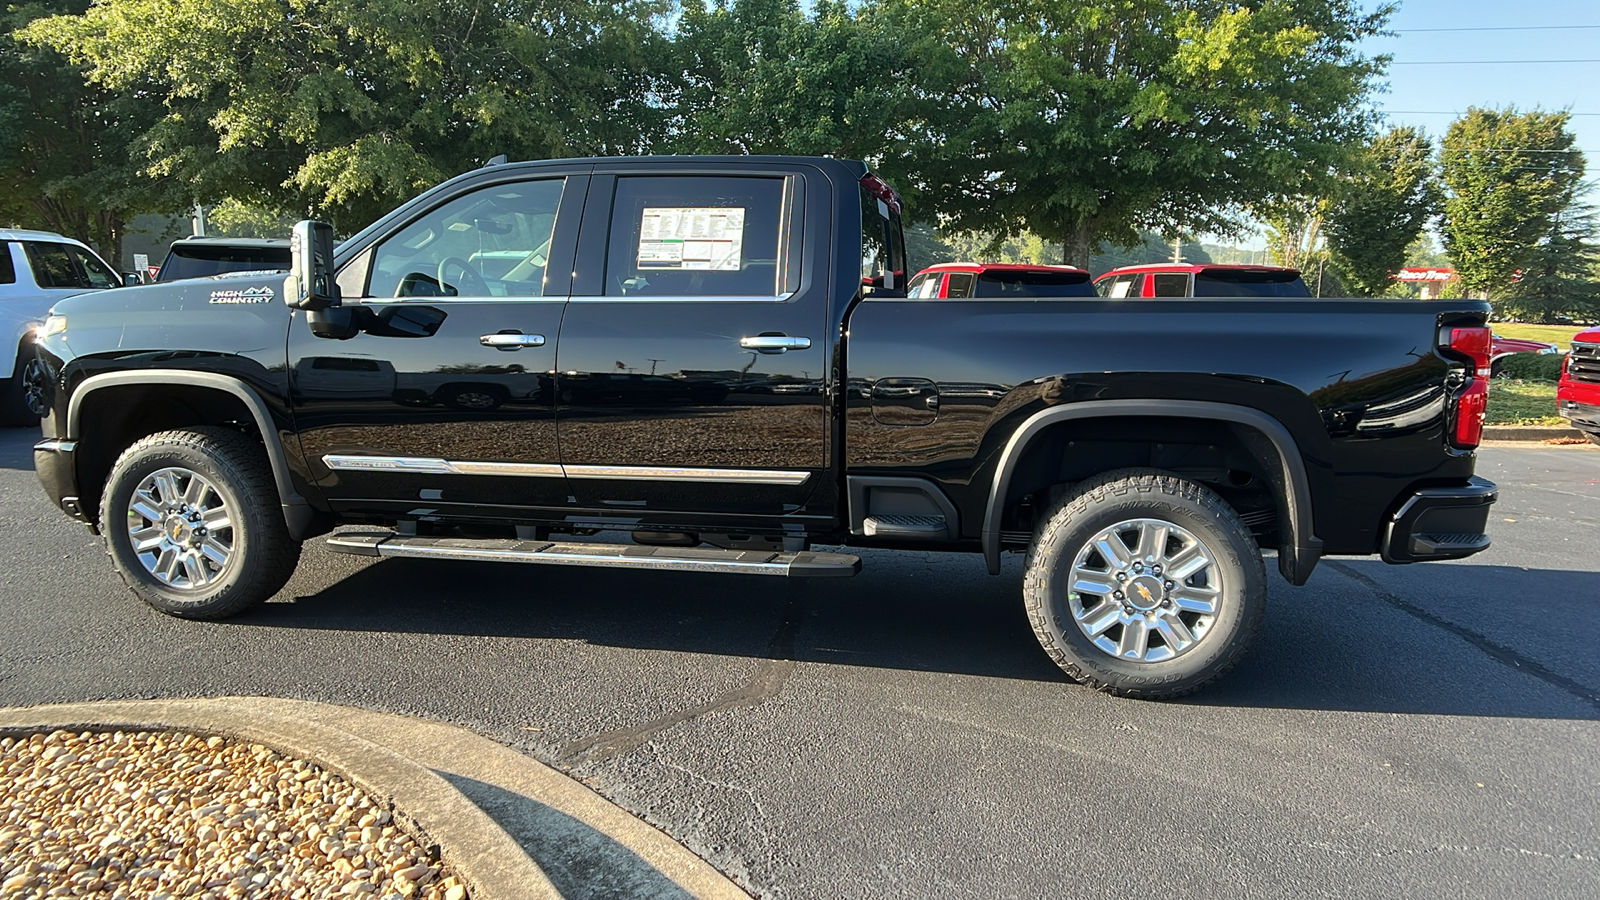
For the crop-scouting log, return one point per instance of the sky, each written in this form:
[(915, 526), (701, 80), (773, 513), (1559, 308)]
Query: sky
[(1437, 74)]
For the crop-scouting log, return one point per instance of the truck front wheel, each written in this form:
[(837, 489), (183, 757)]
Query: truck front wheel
[(1143, 584), (192, 522)]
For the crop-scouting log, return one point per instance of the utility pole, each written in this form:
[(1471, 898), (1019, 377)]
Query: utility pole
[(653, 364)]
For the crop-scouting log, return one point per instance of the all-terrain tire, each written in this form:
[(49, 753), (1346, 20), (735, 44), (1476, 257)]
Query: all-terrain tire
[(1593, 436), (1121, 590), (203, 509)]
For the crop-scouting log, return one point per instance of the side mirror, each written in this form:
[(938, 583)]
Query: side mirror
[(131, 279), (310, 284)]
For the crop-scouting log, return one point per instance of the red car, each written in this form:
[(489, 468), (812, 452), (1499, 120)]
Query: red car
[(1200, 280), (1502, 347), (1578, 394), (958, 280)]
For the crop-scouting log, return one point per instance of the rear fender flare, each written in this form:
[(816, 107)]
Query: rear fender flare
[(1300, 551)]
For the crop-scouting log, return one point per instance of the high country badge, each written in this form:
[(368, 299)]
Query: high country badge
[(247, 295)]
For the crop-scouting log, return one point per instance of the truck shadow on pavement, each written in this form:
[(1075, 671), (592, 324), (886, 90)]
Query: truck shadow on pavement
[(16, 447), (1441, 639)]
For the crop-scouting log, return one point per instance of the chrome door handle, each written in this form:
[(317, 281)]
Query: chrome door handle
[(511, 340), (775, 343)]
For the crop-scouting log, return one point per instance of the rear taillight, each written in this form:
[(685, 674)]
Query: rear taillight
[(1472, 401), (1471, 405), (880, 189), (1473, 343)]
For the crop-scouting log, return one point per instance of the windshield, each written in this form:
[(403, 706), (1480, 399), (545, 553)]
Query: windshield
[(1034, 284), (1225, 283), (203, 260)]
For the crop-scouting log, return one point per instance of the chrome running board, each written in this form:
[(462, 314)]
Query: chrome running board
[(689, 559)]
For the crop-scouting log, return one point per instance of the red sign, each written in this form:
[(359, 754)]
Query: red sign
[(1425, 275), (152, 271)]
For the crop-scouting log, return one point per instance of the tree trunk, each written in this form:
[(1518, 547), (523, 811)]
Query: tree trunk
[(1078, 244)]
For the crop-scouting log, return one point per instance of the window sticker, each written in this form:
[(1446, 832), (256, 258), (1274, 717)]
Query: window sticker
[(706, 238)]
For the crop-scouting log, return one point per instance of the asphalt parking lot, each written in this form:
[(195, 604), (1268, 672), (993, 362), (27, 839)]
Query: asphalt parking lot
[(1421, 731)]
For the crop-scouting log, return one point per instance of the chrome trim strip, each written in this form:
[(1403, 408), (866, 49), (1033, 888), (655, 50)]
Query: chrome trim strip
[(677, 473), (57, 446), (421, 466), (524, 470), (426, 466), (689, 298)]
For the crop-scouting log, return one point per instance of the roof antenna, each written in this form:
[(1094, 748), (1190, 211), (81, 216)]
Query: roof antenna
[(497, 161)]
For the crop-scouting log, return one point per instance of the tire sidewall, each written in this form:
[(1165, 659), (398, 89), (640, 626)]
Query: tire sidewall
[(1241, 602), (132, 469)]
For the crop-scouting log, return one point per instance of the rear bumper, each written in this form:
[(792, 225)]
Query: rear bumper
[(1441, 523), (53, 462)]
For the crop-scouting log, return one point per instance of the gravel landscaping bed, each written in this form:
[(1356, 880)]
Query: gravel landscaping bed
[(162, 815)]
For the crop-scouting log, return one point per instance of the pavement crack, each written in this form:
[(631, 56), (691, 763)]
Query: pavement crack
[(767, 681), (1499, 653)]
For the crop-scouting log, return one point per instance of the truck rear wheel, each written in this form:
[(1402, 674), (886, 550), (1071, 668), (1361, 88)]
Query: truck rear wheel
[(192, 522), (1143, 584)]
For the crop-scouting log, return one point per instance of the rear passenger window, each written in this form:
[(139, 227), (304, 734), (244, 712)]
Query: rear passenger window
[(695, 236), (8, 271), (1172, 285), (960, 285), (53, 266)]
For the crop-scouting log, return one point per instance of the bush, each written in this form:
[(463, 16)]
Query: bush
[(1531, 366)]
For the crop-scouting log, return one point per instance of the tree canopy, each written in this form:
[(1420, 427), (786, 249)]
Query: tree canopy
[(1380, 209), (347, 107), (1086, 121), (1509, 176)]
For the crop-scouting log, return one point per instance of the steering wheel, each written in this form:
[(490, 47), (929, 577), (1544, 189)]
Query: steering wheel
[(472, 284)]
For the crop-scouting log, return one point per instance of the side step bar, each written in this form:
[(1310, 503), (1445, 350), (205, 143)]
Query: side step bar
[(688, 559)]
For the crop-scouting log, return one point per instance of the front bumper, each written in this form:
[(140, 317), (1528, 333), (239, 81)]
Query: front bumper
[(1441, 523), (1582, 415), (53, 461)]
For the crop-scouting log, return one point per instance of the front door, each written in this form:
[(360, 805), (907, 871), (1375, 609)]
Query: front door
[(693, 366), (444, 403)]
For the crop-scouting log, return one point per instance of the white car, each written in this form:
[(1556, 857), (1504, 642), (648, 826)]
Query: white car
[(37, 268)]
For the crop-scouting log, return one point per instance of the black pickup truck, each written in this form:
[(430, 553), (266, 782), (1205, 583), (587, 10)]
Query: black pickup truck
[(713, 362)]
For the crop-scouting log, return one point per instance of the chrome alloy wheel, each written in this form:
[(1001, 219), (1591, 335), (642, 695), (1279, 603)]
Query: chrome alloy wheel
[(180, 528), (1145, 590)]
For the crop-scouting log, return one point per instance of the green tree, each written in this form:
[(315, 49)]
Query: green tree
[(346, 107), (1509, 176), (1380, 209), (1087, 121), (764, 76), (1560, 278), (65, 145)]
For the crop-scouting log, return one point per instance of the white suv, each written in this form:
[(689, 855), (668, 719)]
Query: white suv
[(37, 268)]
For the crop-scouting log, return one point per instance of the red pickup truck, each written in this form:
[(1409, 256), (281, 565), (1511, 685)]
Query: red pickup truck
[(1578, 394)]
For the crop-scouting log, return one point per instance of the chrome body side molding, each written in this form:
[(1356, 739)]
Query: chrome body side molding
[(429, 466)]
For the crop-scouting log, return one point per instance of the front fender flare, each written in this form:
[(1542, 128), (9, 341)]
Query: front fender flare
[(297, 512), (1300, 550)]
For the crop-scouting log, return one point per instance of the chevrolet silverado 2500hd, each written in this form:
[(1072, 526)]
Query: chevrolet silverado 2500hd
[(715, 357)]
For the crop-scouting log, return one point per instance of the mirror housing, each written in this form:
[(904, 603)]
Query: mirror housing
[(131, 279), (310, 284)]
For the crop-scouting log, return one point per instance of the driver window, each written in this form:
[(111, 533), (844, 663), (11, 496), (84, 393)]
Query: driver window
[(493, 242)]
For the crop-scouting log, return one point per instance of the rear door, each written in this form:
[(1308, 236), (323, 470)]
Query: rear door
[(694, 353)]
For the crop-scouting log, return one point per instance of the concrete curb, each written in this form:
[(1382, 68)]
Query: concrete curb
[(511, 827), (1529, 432)]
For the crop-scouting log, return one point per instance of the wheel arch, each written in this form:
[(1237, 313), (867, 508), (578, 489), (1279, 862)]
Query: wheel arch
[(1299, 549), (220, 394)]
